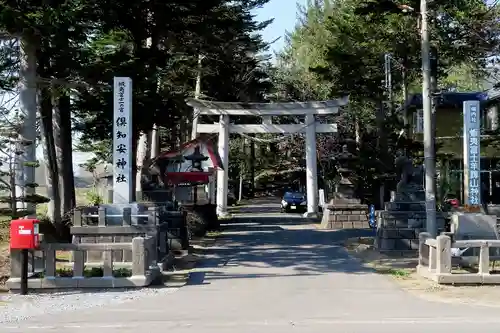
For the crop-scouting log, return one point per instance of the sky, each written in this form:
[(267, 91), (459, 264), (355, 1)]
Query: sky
[(284, 13)]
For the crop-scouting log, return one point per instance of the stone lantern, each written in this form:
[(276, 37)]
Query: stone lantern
[(196, 158), (345, 188)]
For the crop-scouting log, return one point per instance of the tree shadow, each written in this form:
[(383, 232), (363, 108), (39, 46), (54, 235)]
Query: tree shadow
[(258, 247)]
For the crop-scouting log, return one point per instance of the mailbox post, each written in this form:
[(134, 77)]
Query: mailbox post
[(24, 236)]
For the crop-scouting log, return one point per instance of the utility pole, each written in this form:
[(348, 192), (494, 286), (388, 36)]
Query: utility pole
[(429, 154), (197, 93)]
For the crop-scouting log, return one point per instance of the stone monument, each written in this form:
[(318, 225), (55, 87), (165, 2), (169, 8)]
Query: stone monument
[(402, 220)]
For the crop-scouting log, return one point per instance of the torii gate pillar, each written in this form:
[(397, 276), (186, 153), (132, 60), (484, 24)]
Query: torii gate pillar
[(222, 174), (311, 167)]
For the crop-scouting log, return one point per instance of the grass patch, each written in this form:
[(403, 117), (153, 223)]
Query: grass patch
[(397, 273), (398, 266)]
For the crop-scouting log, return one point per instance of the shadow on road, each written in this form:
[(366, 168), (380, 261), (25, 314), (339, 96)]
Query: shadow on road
[(277, 246)]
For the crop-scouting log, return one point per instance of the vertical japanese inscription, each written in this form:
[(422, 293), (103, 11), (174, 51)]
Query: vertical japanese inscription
[(472, 153), (122, 140)]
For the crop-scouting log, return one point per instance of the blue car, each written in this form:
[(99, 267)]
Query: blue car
[(293, 202)]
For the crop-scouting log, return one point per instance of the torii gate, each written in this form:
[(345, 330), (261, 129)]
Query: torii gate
[(266, 110)]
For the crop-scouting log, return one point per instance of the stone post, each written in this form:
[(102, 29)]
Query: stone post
[(423, 253), (139, 265), (484, 258), (443, 258)]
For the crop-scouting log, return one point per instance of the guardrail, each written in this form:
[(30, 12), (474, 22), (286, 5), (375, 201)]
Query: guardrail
[(435, 260), (143, 268)]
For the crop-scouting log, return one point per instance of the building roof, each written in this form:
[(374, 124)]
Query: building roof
[(450, 99), (206, 140)]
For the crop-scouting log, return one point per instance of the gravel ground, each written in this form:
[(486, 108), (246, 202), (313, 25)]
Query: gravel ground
[(14, 307)]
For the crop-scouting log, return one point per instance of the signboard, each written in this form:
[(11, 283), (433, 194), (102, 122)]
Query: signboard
[(472, 156), (122, 140)]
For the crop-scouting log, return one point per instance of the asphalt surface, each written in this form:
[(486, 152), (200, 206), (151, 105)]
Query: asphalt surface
[(276, 273)]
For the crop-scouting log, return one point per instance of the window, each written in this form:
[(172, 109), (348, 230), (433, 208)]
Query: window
[(418, 121)]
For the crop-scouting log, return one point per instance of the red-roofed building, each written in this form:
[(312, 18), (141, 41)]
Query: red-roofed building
[(176, 169)]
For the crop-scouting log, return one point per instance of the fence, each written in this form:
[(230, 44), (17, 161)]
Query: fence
[(98, 225), (435, 260), (143, 268)]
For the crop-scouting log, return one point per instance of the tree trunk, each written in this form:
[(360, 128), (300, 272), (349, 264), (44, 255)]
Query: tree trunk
[(50, 161), (64, 150)]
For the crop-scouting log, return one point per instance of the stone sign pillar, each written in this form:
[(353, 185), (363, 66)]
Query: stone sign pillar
[(122, 140), (472, 153)]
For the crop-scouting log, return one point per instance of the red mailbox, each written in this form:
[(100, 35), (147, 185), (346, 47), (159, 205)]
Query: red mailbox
[(24, 234)]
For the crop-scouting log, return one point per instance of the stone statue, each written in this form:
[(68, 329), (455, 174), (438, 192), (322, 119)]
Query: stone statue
[(404, 169)]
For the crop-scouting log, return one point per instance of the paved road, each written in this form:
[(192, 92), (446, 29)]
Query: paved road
[(277, 274)]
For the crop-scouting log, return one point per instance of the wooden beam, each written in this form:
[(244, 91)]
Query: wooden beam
[(267, 128), (267, 109)]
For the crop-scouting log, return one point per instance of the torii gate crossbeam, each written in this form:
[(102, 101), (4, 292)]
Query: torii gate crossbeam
[(266, 110)]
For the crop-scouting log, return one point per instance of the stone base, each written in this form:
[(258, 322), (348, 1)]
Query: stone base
[(399, 227), (345, 214), (345, 225), (14, 284)]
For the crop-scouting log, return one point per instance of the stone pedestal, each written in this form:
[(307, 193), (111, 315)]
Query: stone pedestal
[(399, 225), (345, 214)]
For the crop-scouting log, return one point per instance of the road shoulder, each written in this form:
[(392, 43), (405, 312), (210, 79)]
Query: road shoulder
[(402, 271)]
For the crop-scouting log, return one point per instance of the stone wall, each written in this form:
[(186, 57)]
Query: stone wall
[(345, 214)]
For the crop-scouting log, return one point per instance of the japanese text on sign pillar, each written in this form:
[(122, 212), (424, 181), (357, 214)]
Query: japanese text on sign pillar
[(122, 140), (472, 153)]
